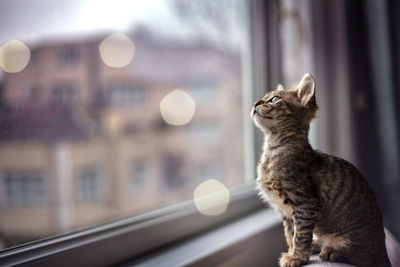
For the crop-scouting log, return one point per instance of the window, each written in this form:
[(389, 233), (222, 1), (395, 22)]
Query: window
[(23, 189), (89, 184), (63, 94), (173, 167), (138, 174), (69, 56), (35, 56), (125, 96), (103, 88), (28, 93), (186, 75)]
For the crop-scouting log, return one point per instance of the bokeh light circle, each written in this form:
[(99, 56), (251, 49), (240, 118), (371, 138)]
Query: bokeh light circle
[(211, 197), (177, 107), (117, 50), (14, 56)]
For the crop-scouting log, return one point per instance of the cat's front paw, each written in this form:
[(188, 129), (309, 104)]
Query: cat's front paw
[(315, 248), (329, 254), (290, 260)]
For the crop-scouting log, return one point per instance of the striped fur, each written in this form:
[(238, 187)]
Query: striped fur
[(326, 204)]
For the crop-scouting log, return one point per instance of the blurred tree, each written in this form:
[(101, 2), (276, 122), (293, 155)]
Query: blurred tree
[(221, 22)]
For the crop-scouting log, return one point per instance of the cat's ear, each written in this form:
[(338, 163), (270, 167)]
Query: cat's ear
[(280, 87), (306, 90)]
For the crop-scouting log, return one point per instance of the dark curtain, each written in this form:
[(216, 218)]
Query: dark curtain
[(369, 31), (373, 31)]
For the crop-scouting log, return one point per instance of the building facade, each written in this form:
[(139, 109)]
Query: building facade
[(83, 143)]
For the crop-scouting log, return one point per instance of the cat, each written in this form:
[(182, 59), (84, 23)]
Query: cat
[(326, 205)]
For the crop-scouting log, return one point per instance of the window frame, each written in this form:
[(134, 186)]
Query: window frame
[(125, 239)]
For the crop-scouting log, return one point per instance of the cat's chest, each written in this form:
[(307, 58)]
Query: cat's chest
[(273, 192), (277, 201)]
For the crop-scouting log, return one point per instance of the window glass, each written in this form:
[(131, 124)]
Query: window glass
[(112, 108)]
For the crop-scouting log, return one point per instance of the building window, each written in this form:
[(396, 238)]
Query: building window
[(138, 174), (69, 55), (173, 171), (28, 93), (64, 94), (23, 188), (89, 184), (35, 56), (124, 95)]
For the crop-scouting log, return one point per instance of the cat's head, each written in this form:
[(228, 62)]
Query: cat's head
[(282, 109)]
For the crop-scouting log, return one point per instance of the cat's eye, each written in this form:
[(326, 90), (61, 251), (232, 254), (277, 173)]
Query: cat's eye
[(274, 99)]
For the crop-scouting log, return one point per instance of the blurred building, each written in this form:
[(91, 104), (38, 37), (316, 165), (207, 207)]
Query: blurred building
[(82, 143)]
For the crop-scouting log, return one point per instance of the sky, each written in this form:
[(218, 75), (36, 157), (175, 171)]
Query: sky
[(37, 21), (33, 20)]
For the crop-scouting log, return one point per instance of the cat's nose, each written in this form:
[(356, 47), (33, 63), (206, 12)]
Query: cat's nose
[(259, 102)]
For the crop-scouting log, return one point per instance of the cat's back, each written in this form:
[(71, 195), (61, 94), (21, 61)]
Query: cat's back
[(349, 210), (343, 189), (347, 202)]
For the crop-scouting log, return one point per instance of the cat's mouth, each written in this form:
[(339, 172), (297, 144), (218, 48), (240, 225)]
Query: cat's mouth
[(255, 112)]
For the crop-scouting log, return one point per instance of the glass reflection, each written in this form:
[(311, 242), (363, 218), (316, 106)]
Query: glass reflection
[(117, 50), (177, 108), (211, 197), (14, 56)]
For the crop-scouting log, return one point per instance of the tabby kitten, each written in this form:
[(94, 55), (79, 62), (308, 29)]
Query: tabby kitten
[(326, 204)]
